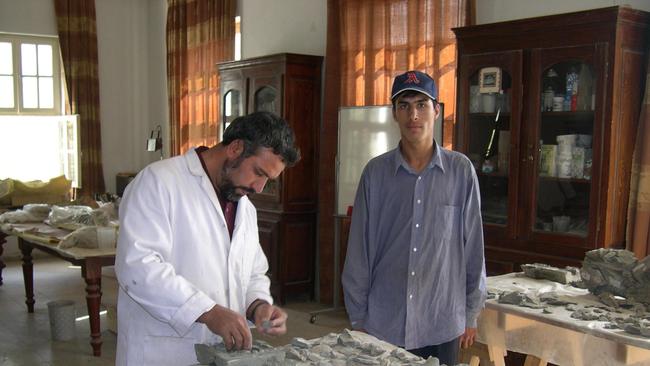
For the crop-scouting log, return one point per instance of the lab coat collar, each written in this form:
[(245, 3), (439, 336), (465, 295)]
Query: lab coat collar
[(194, 165)]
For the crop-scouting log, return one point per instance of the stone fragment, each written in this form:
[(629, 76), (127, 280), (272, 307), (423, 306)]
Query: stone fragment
[(295, 354), (618, 272), (365, 360), (267, 325), (564, 276), (300, 343), (551, 298), (520, 299)]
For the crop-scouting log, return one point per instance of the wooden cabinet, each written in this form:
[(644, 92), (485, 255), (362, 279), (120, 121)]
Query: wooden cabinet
[(558, 182), (288, 85)]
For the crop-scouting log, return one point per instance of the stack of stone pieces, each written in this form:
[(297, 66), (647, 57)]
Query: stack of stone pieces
[(348, 348), (615, 276)]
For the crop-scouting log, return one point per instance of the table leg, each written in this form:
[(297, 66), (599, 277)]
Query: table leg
[(2, 263), (28, 273), (534, 361), (91, 271), (497, 355)]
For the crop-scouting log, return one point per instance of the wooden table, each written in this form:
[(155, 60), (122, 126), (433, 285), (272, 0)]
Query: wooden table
[(556, 338), (91, 262)]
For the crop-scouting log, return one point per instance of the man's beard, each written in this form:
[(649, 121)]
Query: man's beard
[(226, 186)]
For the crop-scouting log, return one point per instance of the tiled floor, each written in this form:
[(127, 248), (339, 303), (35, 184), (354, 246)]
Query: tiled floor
[(25, 338)]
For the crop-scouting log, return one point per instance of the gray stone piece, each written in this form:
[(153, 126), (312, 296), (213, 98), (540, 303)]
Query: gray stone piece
[(564, 276), (520, 299), (552, 298), (261, 354), (267, 325), (571, 307), (300, 343), (617, 272), (589, 315)]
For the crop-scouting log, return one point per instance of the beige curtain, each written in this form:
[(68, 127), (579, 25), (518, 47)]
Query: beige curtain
[(200, 33), (78, 38), (638, 216), (368, 43)]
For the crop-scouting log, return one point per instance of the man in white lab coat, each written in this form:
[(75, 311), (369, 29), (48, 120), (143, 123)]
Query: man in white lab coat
[(189, 263)]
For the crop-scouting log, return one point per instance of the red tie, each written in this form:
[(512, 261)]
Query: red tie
[(229, 214)]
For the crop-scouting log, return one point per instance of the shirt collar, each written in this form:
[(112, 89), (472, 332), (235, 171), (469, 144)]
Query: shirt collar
[(436, 159)]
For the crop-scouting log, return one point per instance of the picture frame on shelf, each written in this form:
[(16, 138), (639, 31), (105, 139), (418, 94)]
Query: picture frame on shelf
[(490, 80)]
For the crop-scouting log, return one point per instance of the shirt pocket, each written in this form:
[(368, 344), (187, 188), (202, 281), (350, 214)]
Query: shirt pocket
[(447, 223)]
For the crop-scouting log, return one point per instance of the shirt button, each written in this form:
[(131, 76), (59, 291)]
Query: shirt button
[(413, 273), (410, 296), (419, 178), (419, 201), (417, 225), (415, 249)]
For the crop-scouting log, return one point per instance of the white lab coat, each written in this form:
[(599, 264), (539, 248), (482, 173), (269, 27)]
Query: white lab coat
[(175, 261)]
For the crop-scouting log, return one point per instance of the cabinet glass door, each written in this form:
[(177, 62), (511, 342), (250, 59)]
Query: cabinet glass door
[(488, 140), (232, 107), (565, 133), (267, 100)]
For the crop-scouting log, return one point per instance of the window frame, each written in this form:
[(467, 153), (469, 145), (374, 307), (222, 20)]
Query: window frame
[(16, 41)]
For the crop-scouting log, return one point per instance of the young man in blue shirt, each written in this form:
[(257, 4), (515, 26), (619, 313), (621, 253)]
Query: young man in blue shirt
[(414, 273)]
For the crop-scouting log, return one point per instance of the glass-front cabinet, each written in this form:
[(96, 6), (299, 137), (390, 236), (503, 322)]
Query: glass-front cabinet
[(547, 110)]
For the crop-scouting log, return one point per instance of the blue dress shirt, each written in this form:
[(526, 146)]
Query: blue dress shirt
[(414, 273)]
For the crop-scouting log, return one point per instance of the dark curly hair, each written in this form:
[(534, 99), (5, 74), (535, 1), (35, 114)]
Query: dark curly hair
[(264, 129)]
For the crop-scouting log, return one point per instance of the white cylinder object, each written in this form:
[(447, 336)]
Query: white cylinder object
[(489, 102), (62, 319)]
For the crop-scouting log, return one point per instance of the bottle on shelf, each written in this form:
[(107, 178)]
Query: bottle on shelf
[(550, 89), (571, 95), (490, 155)]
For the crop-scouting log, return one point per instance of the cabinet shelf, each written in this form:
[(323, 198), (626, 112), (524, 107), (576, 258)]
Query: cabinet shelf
[(568, 114), (490, 115), (570, 180), (492, 175)]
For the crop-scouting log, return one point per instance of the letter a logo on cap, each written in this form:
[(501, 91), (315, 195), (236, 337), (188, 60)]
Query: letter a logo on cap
[(411, 78)]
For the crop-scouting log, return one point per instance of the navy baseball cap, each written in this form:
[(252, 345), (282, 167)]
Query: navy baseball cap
[(416, 81)]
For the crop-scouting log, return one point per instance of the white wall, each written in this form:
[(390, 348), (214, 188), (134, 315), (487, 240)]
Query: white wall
[(295, 26), (132, 81), (490, 11)]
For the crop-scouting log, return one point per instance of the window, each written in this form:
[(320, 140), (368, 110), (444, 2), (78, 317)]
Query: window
[(237, 38), (39, 143), (30, 76)]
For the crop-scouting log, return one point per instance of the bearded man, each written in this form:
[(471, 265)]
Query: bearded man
[(189, 262)]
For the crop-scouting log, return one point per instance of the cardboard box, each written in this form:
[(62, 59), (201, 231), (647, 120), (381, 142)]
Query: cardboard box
[(547, 165)]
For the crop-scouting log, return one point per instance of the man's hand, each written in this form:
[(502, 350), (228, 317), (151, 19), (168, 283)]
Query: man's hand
[(467, 338), (231, 326), (270, 320)]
